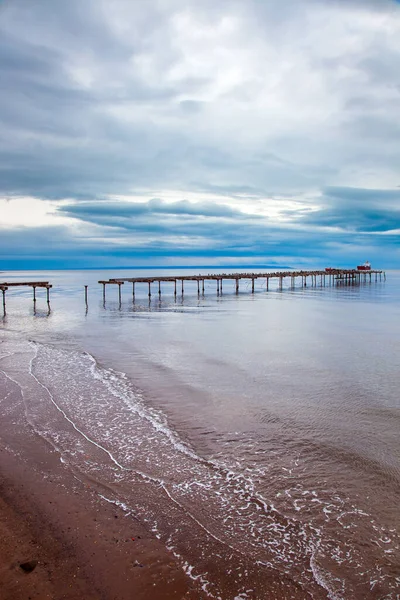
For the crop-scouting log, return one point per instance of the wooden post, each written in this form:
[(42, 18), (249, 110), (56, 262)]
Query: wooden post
[(119, 293), (104, 293), (159, 288), (182, 287), (198, 287), (4, 301), (149, 289), (174, 287), (217, 287), (48, 294), (34, 293), (252, 285), (133, 289), (86, 294), (220, 286), (202, 287), (237, 286), (267, 283)]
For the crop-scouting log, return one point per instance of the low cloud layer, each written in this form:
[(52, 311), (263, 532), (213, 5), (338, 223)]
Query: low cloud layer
[(138, 133)]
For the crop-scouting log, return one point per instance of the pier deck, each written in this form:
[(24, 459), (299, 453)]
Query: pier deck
[(333, 276), (5, 285)]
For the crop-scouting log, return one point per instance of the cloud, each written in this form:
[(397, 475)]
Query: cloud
[(235, 105), (89, 210), (358, 209)]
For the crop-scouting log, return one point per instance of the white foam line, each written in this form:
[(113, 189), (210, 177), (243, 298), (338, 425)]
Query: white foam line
[(217, 539), (185, 566), (30, 422), (87, 438), (118, 503), (320, 579), (137, 407), (23, 397)]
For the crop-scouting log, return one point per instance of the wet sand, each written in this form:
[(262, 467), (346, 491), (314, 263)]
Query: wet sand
[(82, 547), (79, 545)]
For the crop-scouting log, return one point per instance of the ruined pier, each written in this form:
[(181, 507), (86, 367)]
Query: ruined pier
[(313, 278), (4, 286)]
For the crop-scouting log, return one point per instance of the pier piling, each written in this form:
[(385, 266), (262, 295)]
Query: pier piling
[(33, 284), (318, 278)]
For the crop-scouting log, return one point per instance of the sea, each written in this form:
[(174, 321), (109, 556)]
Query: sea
[(252, 433)]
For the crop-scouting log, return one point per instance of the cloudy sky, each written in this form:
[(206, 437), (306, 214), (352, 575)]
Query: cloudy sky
[(177, 132)]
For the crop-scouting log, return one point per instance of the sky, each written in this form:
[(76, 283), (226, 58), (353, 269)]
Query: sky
[(196, 132)]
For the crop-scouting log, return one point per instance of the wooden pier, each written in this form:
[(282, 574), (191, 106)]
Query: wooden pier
[(4, 286), (330, 277)]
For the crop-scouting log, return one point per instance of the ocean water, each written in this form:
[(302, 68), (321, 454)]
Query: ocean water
[(253, 433)]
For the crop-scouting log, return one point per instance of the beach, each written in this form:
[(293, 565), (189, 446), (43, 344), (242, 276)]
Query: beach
[(78, 546), (146, 453)]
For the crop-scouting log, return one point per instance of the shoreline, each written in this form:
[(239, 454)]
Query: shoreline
[(84, 547), (99, 491)]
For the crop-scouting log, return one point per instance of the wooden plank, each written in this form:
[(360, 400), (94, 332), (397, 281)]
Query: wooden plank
[(26, 283)]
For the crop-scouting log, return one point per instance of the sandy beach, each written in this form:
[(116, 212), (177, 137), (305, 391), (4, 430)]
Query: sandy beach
[(61, 539), (71, 544)]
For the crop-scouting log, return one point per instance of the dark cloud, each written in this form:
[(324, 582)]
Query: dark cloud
[(240, 100), (90, 210), (364, 195), (55, 248), (357, 209)]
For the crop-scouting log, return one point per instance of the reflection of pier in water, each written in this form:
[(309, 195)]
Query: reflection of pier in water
[(326, 277), (4, 286)]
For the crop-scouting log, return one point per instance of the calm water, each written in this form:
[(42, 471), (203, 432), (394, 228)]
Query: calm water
[(251, 432)]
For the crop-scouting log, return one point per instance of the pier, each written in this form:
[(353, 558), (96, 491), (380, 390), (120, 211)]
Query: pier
[(4, 286), (311, 278)]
